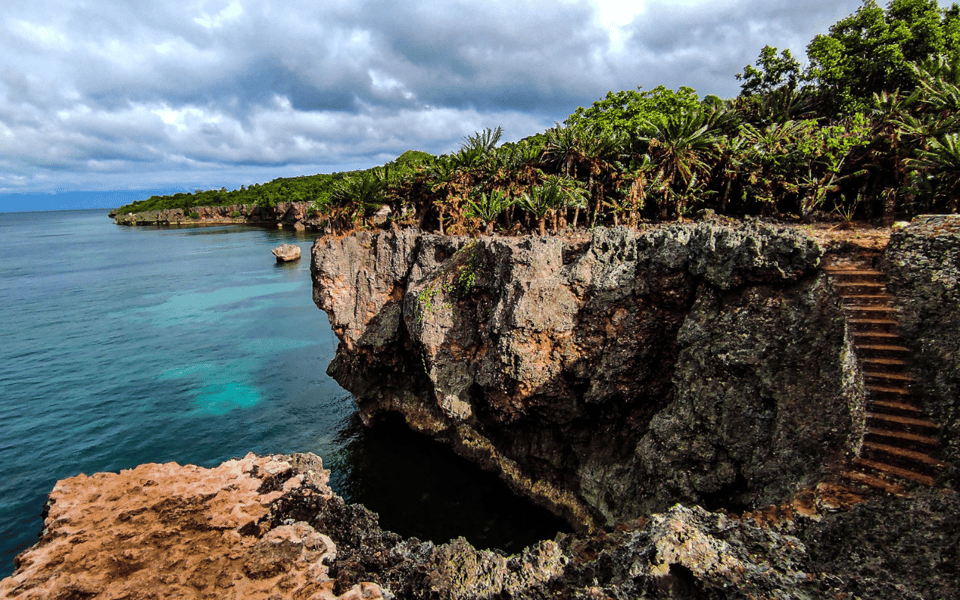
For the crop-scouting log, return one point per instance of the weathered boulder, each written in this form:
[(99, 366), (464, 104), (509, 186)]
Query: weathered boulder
[(286, 252), (922, 262), (605, 376)]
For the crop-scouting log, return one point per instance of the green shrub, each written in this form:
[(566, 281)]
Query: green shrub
[(194, 215)]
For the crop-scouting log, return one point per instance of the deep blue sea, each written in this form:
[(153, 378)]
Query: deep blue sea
[(121, 345)]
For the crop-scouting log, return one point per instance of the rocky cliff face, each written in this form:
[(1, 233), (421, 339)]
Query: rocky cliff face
[(607, 376), (293, 214), (270, 527), (923, 264), (602, 376)]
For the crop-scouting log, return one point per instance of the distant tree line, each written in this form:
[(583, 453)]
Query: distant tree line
[(867, 129)]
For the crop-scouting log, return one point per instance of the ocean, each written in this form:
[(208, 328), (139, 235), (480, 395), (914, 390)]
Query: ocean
[(120, 346)]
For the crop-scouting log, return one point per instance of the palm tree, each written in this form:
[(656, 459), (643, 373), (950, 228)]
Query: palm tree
[(487, 207), (485, 140), (601, 150), (683, 148), (889, 148), (544, 200), (940, 163), (640, 178), (564, 149), (358, 196), (772, 159), (572, 194)]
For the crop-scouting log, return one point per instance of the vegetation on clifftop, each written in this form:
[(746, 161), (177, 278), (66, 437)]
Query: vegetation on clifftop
[(868, 129)]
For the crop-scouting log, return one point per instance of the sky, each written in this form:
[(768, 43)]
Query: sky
[(113, 97)]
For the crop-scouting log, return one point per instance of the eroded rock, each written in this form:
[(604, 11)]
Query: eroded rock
[(606, 376), (170, 531), (286, 252), (270, 527)]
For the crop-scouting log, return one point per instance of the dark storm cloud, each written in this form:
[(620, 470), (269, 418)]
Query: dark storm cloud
[(123, 93), (705, 45), (492, 56)]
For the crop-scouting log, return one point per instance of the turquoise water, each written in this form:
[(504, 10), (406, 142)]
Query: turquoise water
[(120, 346)]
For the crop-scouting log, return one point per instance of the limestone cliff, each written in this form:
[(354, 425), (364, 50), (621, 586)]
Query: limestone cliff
[(291, 214), (606, 376)]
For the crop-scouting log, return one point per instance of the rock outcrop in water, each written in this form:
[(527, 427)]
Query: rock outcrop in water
[(286, 252), (609, 376)]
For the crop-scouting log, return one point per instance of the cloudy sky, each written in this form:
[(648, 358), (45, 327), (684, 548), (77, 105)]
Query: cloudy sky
[(127, 94)]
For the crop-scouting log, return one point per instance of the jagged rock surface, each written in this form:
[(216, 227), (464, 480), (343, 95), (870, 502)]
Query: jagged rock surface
[(270, 527), (169, 531), (608, 376), (922, 263)]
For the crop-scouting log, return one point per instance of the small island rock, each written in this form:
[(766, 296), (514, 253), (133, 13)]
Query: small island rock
[(286, 252)]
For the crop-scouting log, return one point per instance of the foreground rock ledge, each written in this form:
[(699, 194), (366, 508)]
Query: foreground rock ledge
[(270, 527), (171, 531)]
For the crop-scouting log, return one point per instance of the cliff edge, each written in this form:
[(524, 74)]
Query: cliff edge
[(609, 376)]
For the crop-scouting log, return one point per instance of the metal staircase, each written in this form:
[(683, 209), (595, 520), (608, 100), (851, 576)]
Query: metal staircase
[(900, 441)]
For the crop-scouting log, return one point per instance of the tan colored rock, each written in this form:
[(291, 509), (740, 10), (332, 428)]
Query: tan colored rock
[(286, 252), (167, 531)]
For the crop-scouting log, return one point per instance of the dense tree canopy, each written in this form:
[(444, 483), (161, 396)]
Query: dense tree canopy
[(629, 111), (869, 52)]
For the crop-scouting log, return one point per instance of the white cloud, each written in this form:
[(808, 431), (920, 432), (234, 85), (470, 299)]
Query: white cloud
[(231, 12), (119, 91)]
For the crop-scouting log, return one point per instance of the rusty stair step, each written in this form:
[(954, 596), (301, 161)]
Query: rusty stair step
[(891, 348), (896, 451), (872, 481), (873, 321), (870, 310), (904, 438), (887, 377), (903, 421), (899, 390), (883, 362), (894, 470), (849, 287), (874, 336), (887, 406), (853, 271)]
